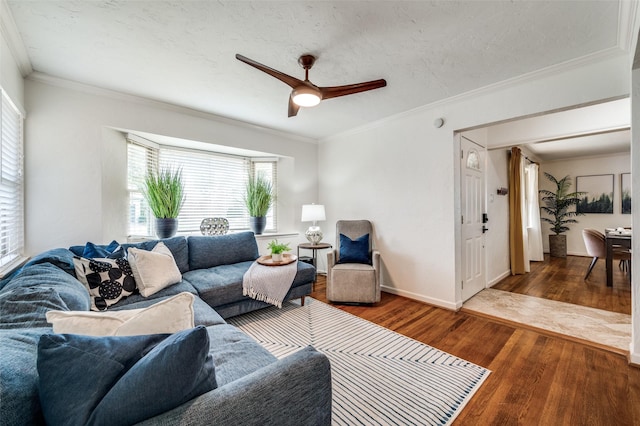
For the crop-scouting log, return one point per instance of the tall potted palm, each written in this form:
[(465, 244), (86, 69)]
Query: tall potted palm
[(164, 192), (258, 198), (557, 204)]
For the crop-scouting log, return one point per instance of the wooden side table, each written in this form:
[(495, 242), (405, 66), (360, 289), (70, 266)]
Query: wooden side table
[(314, 248)]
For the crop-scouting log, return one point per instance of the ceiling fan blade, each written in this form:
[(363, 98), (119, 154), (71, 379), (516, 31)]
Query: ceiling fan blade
[(350, 89), (293, 107), (287, 79)]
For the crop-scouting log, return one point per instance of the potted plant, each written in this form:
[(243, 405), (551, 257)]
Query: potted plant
[(258, 198), (164, 192), (557, 204), (277, 250)]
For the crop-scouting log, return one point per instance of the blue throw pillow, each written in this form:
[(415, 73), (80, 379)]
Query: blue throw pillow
[(354, 251), (121, 380), (92, 250)]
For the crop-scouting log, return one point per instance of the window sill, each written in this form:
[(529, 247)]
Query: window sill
[(10, 267), (138, 238), (276, 234)]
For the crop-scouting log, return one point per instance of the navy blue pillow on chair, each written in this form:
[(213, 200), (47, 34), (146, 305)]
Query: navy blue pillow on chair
[(354, 251), (121, 380)]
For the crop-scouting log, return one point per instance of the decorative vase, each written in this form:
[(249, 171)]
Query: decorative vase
[(314, 235), (166, 227), (558, 245), (276, 257), (258, 224)]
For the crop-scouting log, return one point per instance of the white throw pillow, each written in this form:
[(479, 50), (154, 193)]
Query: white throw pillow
[(153, 270), (167, 316)]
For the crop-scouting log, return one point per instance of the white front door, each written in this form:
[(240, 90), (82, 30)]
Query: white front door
[(472, 194)]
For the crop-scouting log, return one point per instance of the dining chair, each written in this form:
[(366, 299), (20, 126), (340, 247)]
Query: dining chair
[(595, 243)]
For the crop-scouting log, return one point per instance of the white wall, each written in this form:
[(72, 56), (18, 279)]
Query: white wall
[(612, 164), (76, 161), (403, 174), (497, 243), (10, 77)]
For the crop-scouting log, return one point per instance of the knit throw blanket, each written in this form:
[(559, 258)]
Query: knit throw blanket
[(269, 284)]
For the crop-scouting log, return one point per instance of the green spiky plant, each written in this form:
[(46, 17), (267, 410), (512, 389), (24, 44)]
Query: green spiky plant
[(558, 202), (278, 248), (164, 191), (258, 196)]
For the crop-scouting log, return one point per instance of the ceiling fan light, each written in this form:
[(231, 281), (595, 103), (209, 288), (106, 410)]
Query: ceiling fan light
[(305, 97)]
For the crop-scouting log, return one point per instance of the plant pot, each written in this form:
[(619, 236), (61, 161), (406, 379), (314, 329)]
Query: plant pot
[(277, 257), (166, 228), (258, 224), (558, 245)]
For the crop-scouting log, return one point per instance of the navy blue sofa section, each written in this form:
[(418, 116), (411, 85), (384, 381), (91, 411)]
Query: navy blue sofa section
[(249, 379), (212, 269)]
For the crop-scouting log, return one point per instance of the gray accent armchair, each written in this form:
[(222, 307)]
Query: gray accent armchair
[(353, 282)]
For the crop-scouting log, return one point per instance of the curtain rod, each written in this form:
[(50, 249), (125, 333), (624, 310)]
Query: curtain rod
[(525, 157)]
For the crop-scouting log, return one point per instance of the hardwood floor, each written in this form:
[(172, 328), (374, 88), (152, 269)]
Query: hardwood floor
[(562, 279), (535, 379)]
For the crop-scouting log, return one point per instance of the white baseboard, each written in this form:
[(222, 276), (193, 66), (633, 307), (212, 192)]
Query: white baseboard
[(634, 358), (410, 295), (499, 278)]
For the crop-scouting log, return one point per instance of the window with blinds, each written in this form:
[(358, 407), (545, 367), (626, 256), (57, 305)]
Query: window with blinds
[(11, 186), (268, 169), (141, 160), (214, 186)]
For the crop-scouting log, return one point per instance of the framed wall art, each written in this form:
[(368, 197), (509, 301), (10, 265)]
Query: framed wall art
[(599, 193), (625, 193)]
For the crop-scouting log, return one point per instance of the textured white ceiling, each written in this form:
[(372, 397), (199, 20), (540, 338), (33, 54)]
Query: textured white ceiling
[(182, 52)]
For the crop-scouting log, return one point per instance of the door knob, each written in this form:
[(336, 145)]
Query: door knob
[(484, 229)]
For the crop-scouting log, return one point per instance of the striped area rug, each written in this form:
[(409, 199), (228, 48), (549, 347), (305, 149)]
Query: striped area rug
[(379, 377)]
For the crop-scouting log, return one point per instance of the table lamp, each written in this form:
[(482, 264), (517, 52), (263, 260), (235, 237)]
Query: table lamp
[(313, 213)]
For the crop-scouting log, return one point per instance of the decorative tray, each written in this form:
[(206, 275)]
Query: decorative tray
[(286, 259)]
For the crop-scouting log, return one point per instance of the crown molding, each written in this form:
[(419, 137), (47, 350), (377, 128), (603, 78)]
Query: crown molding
[(627, 21), (113, 94), (14, 39), (610, 53)]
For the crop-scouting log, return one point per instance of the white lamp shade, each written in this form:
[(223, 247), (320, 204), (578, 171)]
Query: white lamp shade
[(313, 212)]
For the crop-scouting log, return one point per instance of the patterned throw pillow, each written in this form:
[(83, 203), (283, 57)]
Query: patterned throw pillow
[(108, 280)]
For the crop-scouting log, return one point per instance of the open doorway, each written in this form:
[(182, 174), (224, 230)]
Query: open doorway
[(589, 140)]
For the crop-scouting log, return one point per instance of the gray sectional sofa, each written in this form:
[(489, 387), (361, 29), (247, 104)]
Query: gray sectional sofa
[(253, 387)]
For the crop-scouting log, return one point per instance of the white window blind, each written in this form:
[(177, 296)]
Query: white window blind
[(214, 186), (11, 185), (269, 169), (141, 160)]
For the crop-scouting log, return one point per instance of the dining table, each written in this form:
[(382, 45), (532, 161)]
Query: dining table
[(615, 238)]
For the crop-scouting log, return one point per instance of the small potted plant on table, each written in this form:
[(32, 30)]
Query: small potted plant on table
[(277, 250)]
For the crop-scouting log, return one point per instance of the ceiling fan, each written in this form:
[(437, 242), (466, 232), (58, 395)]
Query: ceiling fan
[(305, 93)]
